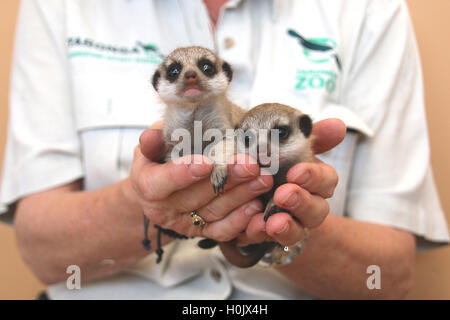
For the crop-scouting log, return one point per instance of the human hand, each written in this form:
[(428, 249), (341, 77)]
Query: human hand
[(169, 192), (309, 184)]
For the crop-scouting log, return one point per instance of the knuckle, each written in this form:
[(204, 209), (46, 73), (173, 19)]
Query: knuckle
[(332, 186), (306, 201), (316, 171), (175, 175), (329, 181), (320, 215), (222, 237), (172, 171), (225, 238), (329, 194), (212, 211), (325, 209), (333, 175), (230, 235), (184, 205), (335, 180), (145, 188)]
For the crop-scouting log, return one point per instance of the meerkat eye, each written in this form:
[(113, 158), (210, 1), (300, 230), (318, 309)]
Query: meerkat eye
[(207, 67), (283, 132), (173, 71), (247, 140)]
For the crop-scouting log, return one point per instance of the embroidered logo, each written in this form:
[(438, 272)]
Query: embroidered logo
[(317, 51), (139, 53)]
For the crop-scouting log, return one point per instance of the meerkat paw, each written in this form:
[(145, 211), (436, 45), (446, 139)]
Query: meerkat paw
[(219, 177)]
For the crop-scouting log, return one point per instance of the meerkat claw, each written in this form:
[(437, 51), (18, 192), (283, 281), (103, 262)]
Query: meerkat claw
[(271, 209), (219, 179), (219, 185)]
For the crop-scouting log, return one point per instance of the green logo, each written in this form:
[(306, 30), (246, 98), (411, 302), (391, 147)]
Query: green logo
[(319, 56), (139, 53), (317, 50), (150, 49), (315, 79)]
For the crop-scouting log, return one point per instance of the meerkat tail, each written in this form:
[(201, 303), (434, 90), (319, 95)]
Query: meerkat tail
[(236, 257)]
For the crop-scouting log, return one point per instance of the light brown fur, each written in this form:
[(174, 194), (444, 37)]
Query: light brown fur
[(212, 107), (295, 149)]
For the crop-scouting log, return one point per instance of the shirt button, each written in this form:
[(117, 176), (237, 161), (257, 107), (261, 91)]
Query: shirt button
[(215, 274), (228, 43)]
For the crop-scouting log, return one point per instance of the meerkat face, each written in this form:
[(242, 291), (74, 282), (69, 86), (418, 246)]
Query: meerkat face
[(191, 74), (292, 127)]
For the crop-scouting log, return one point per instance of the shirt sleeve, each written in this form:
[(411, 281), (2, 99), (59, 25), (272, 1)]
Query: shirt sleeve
[(42, 149), (392, 181)]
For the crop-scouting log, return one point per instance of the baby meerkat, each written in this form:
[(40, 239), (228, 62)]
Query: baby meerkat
[(193, 83), (294, 146)]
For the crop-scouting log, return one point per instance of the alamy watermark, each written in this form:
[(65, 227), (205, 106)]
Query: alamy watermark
[(261, 145), (74, 280), (374, 281)]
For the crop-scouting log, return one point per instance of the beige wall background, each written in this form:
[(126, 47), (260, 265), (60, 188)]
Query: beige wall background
[(432, 24)]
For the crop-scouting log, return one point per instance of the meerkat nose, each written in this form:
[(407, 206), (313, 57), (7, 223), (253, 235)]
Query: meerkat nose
[(190, 77)]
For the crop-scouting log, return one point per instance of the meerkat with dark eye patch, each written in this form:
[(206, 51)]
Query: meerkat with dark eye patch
[(193, 83), (294, 146)]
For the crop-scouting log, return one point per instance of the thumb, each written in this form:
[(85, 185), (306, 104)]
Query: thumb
[(152, 143), (328, 133)]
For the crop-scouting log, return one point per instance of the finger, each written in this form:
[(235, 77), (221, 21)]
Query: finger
[(219, 207), (255, 232), (151, 142), (309, 209), (318, 178), (157, 182), (328, 134), (202, 194), (139, 163), (233, 224), (284, 229)]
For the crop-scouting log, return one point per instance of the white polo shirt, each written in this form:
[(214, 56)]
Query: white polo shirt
[(80, 97)]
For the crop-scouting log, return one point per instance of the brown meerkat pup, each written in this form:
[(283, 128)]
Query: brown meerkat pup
[(294, 146), (193, 82)]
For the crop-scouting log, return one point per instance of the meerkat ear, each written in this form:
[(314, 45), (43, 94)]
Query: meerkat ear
[(305, 125), (228, 71), (155, 79)]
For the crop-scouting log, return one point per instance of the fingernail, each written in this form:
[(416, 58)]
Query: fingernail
[(257, 184), (252, 209), (242, 171), (199, 170), (291, 200), (302, 177), (284, 229)]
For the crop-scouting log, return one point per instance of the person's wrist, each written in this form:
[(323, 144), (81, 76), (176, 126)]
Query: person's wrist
[(130, 196)]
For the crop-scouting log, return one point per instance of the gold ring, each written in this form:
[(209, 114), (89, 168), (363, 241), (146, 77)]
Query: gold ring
[(197, 220)]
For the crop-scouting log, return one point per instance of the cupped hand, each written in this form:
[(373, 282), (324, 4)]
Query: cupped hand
[(304, 196), (169, 192)]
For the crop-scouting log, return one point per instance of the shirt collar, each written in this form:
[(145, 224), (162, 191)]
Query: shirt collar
[(232, 4)]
